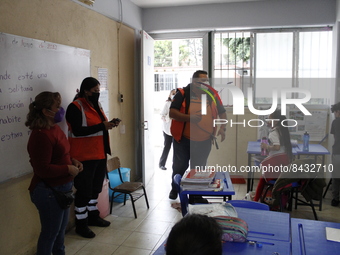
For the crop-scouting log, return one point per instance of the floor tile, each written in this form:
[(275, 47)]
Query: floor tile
[(131, 251), (97, 248), (142, 240)]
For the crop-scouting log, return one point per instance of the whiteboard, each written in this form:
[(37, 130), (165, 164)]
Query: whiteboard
[(28, 67)]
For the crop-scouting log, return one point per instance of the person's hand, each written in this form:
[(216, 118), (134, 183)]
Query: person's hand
[(221, 132), (264, 146), (109, 125), (195, 118), (77, 164), (73, 170)]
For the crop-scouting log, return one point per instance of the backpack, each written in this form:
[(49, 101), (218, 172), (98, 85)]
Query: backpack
[(234, 229)]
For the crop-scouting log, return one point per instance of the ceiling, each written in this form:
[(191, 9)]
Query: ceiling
[(166, 3)]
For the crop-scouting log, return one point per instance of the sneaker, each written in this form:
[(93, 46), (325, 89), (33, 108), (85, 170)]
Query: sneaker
[(99, 222), (335, 202), (173, 194), (85, 232), (162, 167)]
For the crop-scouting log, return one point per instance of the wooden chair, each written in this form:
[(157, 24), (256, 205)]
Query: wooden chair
[(125, 188)]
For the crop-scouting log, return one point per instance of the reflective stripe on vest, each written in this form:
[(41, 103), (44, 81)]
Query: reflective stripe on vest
[(84, 123)]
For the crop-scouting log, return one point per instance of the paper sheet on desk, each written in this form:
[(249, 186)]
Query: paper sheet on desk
[(333, 234)]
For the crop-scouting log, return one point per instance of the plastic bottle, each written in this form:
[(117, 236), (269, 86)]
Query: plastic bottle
[(306, 141), (264, 152)]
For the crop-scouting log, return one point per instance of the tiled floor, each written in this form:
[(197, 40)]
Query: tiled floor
[(128, 236)]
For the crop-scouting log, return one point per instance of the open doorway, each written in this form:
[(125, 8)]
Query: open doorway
[(174, 63)]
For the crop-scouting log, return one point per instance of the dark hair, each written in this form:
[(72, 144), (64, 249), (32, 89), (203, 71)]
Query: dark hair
[(198, 73), (35, 117), (195, 234), (283, 132), (169, 97), (87, 84), (335, 107)]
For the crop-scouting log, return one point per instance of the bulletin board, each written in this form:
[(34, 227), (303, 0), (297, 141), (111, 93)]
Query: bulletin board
[(315, 124), (28, 67)]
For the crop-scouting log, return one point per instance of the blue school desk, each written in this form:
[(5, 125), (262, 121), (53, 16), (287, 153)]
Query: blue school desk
[(309, 237), (277, 233), (254, 148), (266, 224), (228, 191), (269, 232)]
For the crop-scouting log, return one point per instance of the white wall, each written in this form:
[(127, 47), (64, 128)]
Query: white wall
[(132, 14), (259, 14)]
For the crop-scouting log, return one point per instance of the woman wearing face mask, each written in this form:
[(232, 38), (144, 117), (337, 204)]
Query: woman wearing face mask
[(49, 153), (89, 140), (166, 130)]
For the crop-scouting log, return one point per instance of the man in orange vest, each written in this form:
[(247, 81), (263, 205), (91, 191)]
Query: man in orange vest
[(192, 131)]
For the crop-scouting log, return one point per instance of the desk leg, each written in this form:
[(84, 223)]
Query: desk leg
[(184, 204), (249, 179), (320, 202)]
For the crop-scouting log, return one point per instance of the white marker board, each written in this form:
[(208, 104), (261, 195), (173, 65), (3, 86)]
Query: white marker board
[(28, 67)]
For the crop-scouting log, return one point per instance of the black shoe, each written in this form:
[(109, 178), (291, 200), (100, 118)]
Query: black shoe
[(173, 194), (85, 232), (99, 222), (335, 202), (162, 167)]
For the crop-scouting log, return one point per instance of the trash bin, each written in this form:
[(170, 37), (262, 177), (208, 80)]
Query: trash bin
[(115, 181), (103, 200)]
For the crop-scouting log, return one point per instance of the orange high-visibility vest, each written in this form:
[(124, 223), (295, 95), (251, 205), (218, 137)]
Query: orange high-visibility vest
[(90, 147), (177, 127)]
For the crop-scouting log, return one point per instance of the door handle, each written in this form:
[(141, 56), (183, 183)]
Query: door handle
[(145, 125)]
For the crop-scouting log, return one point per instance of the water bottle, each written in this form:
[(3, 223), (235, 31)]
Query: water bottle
[(264, 152), (306, 141)]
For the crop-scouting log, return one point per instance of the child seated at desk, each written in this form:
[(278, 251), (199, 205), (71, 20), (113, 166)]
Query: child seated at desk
[(279, 148), (195, 234)]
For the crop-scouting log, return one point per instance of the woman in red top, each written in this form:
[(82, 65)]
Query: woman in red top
[(49, 152)]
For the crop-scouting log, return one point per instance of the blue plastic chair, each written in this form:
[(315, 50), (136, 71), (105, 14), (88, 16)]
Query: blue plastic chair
[(249, 204)]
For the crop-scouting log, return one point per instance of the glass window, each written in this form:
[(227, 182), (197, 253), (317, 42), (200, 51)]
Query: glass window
[(265, 61), (175, 62)]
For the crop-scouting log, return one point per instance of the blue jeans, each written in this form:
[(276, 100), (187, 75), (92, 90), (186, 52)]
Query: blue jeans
[(53, 219)]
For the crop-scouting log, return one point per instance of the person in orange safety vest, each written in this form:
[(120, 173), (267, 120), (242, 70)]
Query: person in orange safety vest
[(89, 140), (194, 132)]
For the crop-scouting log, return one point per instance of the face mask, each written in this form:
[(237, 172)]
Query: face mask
[(59, 115), (203, 84), (94, 97)]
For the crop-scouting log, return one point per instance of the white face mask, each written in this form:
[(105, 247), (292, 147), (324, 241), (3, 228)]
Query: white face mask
[(203, 84)]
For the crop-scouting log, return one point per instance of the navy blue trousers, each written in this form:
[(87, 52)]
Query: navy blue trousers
[(189, 151)]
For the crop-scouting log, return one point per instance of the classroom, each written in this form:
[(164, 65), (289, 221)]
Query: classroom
[(106, 38)]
